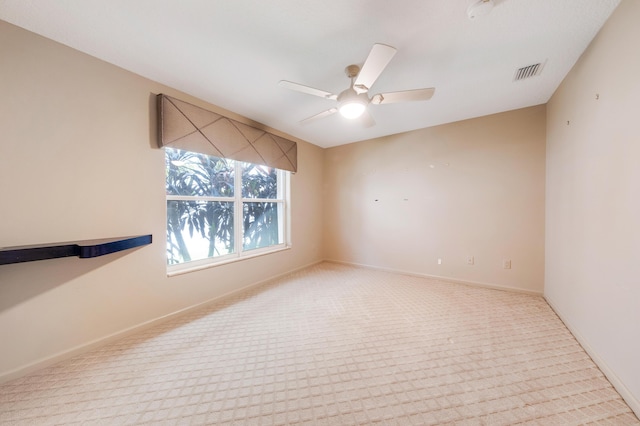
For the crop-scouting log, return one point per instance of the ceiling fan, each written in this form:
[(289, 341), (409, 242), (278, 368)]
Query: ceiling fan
[(352, 102)]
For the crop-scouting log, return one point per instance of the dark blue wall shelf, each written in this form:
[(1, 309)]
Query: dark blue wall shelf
[(82, 249)]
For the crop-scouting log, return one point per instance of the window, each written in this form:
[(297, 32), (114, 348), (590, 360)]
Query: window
[(221, 210)]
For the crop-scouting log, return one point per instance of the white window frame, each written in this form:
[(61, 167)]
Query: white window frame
[(284, 210)]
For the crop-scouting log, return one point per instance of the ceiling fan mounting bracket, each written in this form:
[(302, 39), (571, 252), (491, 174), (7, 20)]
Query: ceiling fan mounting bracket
[(352, 71)]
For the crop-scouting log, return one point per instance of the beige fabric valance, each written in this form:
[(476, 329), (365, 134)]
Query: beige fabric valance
[(189, 127)]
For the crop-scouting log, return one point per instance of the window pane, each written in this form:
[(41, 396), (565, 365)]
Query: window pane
[(262, 225), (198, 230), (189, 173), (259, 181)]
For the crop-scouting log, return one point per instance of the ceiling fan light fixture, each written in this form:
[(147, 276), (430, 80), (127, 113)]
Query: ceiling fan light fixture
[(351, 110), (352, 105)]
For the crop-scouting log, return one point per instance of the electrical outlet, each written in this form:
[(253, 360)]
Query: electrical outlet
[(439, 261), (470, 260), (506, 263)]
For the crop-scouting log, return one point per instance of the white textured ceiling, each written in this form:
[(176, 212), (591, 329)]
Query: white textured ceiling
[(232, 53)]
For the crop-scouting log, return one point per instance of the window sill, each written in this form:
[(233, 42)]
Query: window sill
[(185, 269)]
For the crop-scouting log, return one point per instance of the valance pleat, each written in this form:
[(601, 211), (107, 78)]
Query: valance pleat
[(189, 127)]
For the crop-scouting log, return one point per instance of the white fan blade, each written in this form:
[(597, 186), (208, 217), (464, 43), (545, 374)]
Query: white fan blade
[(366, 119), (319, 115), (306, 89), (376, 62), (403, 96)]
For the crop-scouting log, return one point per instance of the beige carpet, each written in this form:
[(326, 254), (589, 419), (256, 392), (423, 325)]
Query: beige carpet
[(334, 345)]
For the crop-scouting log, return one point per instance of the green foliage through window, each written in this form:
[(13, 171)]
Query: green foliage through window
[(207, 197)]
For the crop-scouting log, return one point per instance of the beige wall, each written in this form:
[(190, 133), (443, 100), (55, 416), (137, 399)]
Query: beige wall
[(471, 188), (593, 200), (78, 160)]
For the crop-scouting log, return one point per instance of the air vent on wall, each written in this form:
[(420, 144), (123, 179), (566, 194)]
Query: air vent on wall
[(528, 71)]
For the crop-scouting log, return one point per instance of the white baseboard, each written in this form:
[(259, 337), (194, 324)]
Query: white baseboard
[(85, 347), (617, 383), (440, 278)]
